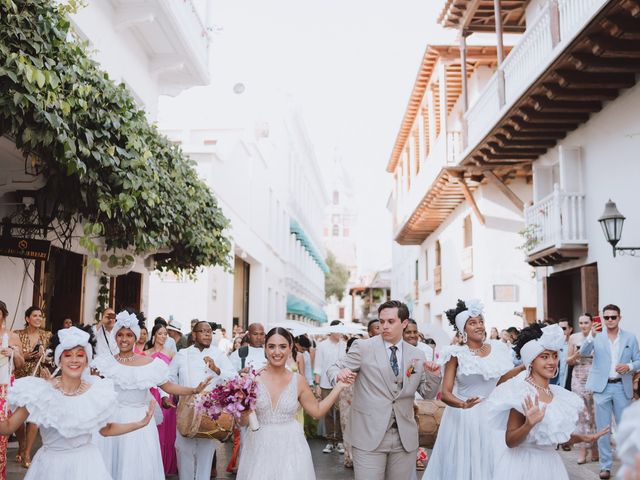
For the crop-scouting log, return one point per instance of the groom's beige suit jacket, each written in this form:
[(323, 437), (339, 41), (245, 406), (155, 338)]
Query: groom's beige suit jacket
[(377, 392)]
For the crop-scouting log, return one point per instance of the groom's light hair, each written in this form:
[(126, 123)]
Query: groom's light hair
[(403, 310)]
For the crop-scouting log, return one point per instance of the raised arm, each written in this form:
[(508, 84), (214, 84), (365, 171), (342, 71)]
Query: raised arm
[(14, 422), (175, 389), (314, 407)]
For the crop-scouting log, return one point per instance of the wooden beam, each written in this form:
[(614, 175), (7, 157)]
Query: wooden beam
[(510, 132), (575, 79), (533, 116), (503, 141), (556, 92), (592, 63), (543, 103), (519, 204), (611, 47), (472, 201), (521, 125)]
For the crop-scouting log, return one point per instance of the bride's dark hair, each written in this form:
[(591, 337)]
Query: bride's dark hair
[(527, 334), (280, 331)]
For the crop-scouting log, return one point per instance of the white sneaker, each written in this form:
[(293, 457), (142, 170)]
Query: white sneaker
[(328, 448), (340, 448)]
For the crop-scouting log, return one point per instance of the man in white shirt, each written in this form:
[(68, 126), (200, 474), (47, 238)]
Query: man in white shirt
[(329, 352), (189, 367), (105, 343), (224, 345), (411, 335), (251, 356)]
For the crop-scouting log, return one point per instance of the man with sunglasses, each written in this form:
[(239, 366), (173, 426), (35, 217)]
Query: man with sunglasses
[(615, 358)]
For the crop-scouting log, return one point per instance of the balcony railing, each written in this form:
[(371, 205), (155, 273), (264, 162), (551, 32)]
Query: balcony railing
[(557, 221), (556, 26)]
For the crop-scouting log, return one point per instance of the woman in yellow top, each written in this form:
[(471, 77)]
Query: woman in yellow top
[(34, 341)]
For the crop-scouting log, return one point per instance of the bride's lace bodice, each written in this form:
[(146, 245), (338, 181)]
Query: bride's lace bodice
[(286, 406)]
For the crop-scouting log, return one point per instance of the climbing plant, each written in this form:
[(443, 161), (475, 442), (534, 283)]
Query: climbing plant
[(107, 167)]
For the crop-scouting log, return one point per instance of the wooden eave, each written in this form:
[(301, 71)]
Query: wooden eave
[(600, 62), (446, 194), (476, 56), (479, 15), (556, 255)]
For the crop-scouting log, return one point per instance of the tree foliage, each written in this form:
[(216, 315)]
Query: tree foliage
[(111, 169), (335, 282)]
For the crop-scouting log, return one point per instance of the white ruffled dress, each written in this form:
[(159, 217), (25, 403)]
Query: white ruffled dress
[(66, 425), (464, 446), (135, 455), (628, 438), (536, 456)]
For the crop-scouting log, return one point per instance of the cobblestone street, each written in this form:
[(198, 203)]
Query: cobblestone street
[(329, 467)]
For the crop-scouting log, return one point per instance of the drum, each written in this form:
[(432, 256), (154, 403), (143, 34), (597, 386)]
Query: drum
[(428, 414), (194, 425)]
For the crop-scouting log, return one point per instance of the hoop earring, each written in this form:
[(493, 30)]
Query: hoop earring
[(464, 337), (557, 371)]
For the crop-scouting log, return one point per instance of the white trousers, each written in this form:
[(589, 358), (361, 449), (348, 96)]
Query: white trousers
[(195, 457)]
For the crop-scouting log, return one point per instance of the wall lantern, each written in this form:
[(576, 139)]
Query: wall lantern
[(612, 222)]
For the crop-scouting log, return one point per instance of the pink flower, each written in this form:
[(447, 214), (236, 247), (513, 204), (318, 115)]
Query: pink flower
[(234, 396)]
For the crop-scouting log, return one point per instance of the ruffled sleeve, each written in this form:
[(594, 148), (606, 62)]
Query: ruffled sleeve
[(132, 378), (560, 418), (628, 436), (71, 416), (494, 365)]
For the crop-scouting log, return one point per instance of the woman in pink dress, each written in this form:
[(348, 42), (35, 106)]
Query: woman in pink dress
[(167, 429)]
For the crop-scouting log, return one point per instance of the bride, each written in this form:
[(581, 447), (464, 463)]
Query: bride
[(278, 449)]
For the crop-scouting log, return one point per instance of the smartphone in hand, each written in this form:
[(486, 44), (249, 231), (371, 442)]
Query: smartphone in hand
[(597, 322)]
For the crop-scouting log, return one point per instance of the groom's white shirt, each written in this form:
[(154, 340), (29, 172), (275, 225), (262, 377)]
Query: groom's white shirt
[(388, 346)]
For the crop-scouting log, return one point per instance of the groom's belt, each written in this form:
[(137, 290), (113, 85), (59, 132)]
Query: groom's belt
[(614, 380)]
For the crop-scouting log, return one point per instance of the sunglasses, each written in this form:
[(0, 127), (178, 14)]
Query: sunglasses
[(612, 317)]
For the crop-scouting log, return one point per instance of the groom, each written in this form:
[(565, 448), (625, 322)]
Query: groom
[(382, 429)]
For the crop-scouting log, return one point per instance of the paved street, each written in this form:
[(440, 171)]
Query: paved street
[(329, 467)]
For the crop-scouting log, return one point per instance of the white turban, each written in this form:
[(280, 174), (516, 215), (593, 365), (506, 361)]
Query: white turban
[(474, 309), (71, 338), (126, 320), (552, 339)]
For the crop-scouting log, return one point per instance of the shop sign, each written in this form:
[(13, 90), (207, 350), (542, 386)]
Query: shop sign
[(25, 248)]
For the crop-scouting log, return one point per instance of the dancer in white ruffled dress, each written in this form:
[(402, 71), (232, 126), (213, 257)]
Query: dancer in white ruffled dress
[(471, 372), (137, 455), (278, 449), (628, 443), (68, 409), (536, 415)]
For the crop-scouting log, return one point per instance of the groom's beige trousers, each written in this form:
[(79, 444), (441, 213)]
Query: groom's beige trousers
[(389, 461)]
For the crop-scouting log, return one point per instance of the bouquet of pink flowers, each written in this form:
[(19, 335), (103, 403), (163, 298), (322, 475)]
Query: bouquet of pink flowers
[(234, 396)]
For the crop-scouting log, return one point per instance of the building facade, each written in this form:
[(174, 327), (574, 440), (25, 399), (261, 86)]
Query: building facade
[(153, 48), (563, 101), (265, 176), (456, 229)]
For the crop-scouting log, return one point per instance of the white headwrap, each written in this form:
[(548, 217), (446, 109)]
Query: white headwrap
[(474, 309), (126, 320), (71, 338), (552, 339)]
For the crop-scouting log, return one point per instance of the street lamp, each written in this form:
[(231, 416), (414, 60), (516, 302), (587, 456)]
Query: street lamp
[(612, 222)]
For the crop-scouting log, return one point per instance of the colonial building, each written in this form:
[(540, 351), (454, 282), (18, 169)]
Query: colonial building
[(455, 228), (261, 166), (153, 48)]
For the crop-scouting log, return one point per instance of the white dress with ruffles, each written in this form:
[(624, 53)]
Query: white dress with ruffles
[(135, 455), (464, 444), (536, 456), (66, 425)]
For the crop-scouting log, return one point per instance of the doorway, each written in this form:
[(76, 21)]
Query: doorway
[(241, 276), (125, 291), (571, 293)]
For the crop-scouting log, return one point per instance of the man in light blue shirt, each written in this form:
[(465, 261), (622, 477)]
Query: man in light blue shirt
[(615, 358)]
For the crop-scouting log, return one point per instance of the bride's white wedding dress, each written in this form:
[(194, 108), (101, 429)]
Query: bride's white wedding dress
[(278, 450)]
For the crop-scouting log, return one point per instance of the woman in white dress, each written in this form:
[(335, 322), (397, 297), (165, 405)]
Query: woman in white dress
[(278, 449), (137, 455), (536, 415), (471, 372), (68, 409)]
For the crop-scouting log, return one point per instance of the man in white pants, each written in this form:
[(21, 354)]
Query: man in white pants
[(189, 367)]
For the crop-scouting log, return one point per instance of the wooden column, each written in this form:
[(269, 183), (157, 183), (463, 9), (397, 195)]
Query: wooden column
[(519, 204), (499, 40)]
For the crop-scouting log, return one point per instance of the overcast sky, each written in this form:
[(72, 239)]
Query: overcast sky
[(350, 65)]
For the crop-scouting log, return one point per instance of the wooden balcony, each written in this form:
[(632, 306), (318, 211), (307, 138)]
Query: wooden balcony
[(555, 229), (576, 55)]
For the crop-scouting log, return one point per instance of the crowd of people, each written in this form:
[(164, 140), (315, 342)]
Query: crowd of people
[(107, 396)]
